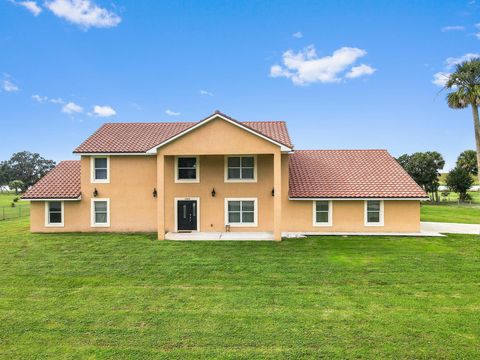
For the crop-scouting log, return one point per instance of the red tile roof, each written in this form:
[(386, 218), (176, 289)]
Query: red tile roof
[(141, 137), (349, 174), (62, 182)]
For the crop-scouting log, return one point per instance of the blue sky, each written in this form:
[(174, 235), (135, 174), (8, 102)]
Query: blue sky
[(343, 74)]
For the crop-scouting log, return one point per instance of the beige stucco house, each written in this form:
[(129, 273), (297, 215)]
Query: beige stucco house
[(222, 175)]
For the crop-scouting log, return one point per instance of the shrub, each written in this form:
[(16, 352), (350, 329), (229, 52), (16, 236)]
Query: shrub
[(459, 181)]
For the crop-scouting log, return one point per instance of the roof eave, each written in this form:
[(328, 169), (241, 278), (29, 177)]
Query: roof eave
[(78, 198)]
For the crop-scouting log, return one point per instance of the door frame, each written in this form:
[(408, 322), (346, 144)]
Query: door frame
[(175, 214)]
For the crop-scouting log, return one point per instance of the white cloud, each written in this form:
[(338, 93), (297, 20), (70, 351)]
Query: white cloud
[(9, 86), (360, 70), (84, 13), (172, 113), (57, 101), (104, 111), (297, 35), (452, 61), (440, 78), (453, 28), (205, 92), (306, 67), (29, 5), (72, 108), (39, 98)]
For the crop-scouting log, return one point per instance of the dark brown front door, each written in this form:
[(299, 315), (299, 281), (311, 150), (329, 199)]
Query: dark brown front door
[(187, 215)]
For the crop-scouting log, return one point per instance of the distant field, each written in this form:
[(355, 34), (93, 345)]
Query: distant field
[(444, 175), (21, 209), (475, 195)]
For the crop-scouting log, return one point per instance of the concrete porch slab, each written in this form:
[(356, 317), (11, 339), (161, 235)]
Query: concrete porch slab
[(219, 236)]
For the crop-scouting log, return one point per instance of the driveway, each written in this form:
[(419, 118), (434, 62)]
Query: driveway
[(451, 228)]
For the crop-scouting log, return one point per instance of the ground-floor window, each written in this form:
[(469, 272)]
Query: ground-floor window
[(374, 213), (241, 212), (322, 213), (54, 213), (100, 212)]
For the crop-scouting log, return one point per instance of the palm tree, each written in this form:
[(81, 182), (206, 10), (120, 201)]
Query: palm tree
[(465, 81)]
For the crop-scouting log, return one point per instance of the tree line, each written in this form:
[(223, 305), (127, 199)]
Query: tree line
[(424, 168), (23, 169)]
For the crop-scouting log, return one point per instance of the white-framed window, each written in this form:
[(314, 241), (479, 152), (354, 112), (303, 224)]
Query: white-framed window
[(241, 168), (241, 212), (54, 214), (100, 213), (374, 212), (322, 213), (100, 169), (187, 169)]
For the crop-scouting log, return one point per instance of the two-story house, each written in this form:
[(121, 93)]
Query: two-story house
[(222, 175)]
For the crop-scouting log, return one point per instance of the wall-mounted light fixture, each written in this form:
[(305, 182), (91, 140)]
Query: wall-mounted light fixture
[(154, 192), (273, 192), (95, 192), (213, 192)]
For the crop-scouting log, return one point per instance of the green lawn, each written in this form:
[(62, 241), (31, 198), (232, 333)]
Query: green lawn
[(131, 296), (452, 213)]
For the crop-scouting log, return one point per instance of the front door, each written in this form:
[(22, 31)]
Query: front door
[(187, 215)]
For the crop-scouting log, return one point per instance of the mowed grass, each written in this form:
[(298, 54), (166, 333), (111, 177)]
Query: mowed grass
[(453, 213), (130, 296)]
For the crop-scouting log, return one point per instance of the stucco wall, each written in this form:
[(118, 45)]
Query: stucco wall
[(132, 206), (348, 216), (212, 208)]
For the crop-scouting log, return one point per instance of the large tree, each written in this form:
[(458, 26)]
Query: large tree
[(424, 168), (468, 161), (27, 167), (465, 81), (5, 177)]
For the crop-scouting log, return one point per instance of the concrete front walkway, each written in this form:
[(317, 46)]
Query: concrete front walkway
[(451, 228), (247, 236)]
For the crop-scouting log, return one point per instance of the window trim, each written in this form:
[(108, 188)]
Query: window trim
[(365, 214), (225, 172), (47, 214), (175, 207), (92, 170), (255, 212), (92, 213), (330, 213), (197, 173)]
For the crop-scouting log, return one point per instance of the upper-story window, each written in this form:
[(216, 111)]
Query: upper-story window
[(240, 169), (187, 169), (374, 213), (100, 169)]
